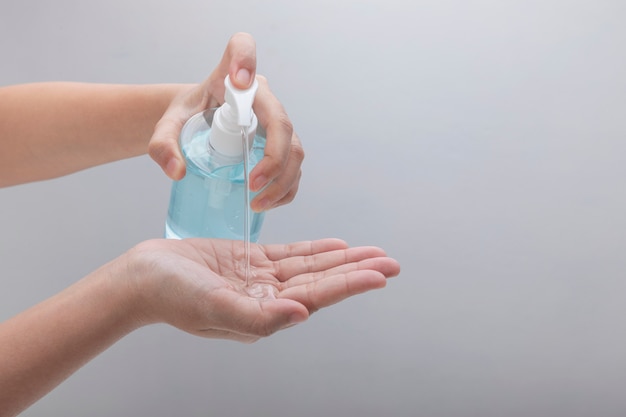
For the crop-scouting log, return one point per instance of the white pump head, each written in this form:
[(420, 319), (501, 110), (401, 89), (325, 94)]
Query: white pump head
[(241, 100), (236, 113)]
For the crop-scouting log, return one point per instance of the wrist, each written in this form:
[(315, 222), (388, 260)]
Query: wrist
[(138, 281), (45, 344), (115, 293)]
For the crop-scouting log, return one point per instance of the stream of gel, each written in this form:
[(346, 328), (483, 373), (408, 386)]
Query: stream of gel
[(246, 202), (254, 289)]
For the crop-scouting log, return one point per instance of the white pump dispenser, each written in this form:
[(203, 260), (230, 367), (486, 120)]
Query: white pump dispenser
[(229, 119)]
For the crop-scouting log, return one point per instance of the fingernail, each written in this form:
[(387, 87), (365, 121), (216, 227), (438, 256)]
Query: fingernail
[(296, 318), (243, 77), (261, 205), (259, 182), (173, 168)]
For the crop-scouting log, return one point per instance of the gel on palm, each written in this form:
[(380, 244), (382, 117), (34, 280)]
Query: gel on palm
[(210, 201)]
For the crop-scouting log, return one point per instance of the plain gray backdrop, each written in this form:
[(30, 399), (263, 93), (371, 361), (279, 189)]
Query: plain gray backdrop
[(481, 143)]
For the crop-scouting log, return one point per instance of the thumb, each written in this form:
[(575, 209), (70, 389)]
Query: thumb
[(163, 147), (240, 60), (267, 316)]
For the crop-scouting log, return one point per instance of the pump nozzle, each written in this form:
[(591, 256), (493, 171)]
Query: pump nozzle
[(233, 116), (241, 101)]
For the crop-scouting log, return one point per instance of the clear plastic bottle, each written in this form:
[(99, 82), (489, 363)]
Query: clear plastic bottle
[(209, 201)]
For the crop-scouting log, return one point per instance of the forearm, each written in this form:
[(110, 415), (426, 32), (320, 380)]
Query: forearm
[(53, 129), (42, 346)]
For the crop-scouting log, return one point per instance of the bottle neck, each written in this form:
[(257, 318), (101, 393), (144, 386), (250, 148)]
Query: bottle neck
[(226, 136)]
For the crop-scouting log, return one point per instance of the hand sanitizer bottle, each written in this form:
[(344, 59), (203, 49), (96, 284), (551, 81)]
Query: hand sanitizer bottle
[(210, 200)]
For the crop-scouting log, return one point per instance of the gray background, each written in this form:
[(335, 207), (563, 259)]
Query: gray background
[(481, 143)]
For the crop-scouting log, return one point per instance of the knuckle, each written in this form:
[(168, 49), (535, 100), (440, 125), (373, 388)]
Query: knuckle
[(273, 164), (290, 196), (155, 149), (297, 152), (284, 124), (163, 143), (158, 149)]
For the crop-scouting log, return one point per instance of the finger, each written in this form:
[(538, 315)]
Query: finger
[(238, 62), (163, 147), (333, 289), (281, 145), (291, 194), (297, 265), (240, 56), (284, 187), (387, 266), (225, 335), (310, 247), (249, 316)]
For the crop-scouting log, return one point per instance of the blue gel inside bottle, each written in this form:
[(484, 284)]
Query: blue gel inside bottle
[(210, 200)]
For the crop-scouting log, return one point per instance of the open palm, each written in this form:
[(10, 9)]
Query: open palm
[(199, 285)]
